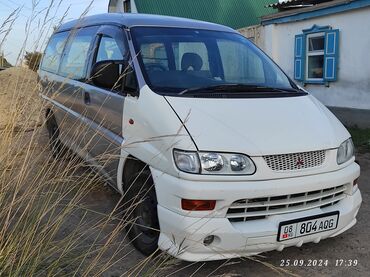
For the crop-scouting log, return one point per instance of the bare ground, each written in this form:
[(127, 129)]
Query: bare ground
[(25, 104), (352, 245)]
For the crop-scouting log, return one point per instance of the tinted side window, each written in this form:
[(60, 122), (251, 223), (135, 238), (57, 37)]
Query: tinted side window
[(109, 50), (53, 52), (75, 60)]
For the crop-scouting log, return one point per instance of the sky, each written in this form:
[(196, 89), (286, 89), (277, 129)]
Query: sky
[(30, 21)]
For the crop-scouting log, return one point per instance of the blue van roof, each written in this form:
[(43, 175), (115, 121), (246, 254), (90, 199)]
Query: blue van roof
[(129, 20)]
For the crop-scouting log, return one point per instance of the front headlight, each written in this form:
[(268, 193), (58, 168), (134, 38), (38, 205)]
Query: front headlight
[(345, 151), (214, 163)]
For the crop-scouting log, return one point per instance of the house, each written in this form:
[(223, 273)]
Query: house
[(324, 45), (233, 13)]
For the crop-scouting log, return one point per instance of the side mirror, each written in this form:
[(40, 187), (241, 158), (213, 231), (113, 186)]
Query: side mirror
[(108, 74)]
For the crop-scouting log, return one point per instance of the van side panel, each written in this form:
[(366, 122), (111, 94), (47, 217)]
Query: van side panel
[(104, 138), (65, 98)]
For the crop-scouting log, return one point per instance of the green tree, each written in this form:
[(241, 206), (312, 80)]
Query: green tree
[(3, 62), (33, 60)]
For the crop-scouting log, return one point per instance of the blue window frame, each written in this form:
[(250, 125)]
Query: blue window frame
[(316, 53)]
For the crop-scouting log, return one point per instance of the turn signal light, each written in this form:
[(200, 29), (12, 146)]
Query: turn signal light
[(198, 205)]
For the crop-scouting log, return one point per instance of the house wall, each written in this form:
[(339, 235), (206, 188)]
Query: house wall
[(352, 89), (254, 33), (133, 6), (118, 6)]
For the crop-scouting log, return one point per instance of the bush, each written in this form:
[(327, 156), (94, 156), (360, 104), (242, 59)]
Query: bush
[(4, 62), (33, 60), (361, 138)]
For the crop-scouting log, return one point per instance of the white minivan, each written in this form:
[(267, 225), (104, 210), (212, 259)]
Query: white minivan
[(216, 150)]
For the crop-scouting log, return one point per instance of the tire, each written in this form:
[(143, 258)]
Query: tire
[(53, 131), (141, 211)]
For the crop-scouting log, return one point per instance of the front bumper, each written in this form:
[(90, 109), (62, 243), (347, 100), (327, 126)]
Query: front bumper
[(182, 233)]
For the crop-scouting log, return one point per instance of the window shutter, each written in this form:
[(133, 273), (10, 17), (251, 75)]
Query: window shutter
[(331, 55), (299, 57)]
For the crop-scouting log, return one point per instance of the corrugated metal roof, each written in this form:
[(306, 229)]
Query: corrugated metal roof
[(309, 12), (286, 4), (233, 13)]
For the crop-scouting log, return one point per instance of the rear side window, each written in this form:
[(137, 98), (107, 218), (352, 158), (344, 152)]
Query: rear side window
[(53, 52), (75, 59)]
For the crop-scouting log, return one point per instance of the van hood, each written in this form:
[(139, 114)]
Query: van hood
[(259, 126)]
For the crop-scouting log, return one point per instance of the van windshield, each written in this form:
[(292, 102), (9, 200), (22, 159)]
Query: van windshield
[(181, 62)]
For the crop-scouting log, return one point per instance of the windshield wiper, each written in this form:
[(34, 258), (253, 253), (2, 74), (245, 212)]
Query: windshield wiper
[(239, 88)]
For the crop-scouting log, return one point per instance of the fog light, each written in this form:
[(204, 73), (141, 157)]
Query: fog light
[(208, 240)]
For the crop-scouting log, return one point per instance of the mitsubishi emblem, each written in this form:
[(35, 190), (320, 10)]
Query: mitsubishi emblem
[(299, 162)]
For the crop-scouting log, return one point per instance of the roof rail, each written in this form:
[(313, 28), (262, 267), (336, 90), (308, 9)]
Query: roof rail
[(116, 6)]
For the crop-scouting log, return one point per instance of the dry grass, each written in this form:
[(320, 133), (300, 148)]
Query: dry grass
[(38, 194), (25, 81), (47, 227)]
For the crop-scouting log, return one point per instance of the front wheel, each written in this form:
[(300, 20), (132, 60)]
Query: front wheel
[(141, 212)]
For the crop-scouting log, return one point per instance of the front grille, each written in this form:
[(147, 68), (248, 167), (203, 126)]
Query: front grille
[(259, 208), (295, 161)]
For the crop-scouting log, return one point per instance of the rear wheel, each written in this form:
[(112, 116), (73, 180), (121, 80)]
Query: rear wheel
[(53, 131), (141, 211)]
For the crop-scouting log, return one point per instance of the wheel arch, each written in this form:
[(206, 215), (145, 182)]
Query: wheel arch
[(130, 166)]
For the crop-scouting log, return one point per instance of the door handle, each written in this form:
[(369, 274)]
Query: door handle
[(87, 99)]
